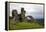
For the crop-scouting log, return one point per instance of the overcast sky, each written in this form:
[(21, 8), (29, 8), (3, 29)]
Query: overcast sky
[(34, 10)]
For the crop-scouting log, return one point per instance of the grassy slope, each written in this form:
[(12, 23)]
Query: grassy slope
[(23, 25)]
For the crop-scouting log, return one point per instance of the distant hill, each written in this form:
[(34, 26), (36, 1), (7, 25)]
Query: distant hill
[(40, 21)]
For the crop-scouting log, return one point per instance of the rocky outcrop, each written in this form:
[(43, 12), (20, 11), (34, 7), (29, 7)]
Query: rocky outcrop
[(21, 17), (30, 18)]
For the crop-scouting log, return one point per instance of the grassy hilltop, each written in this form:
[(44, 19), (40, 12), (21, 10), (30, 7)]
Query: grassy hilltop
[(24, 25)]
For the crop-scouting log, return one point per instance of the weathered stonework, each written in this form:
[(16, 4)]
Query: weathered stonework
[(21, 17), (23, 14)]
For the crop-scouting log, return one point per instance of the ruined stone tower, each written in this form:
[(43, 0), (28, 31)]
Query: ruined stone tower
[(15, 15), (19, 17), (23, 14)]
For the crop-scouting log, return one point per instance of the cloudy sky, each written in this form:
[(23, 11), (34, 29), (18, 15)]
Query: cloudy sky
[(34, 10)]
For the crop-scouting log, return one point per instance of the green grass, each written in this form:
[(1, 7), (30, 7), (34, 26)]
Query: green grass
[(23, 25)]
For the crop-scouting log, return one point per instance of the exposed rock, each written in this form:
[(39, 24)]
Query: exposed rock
[(21, 17)]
